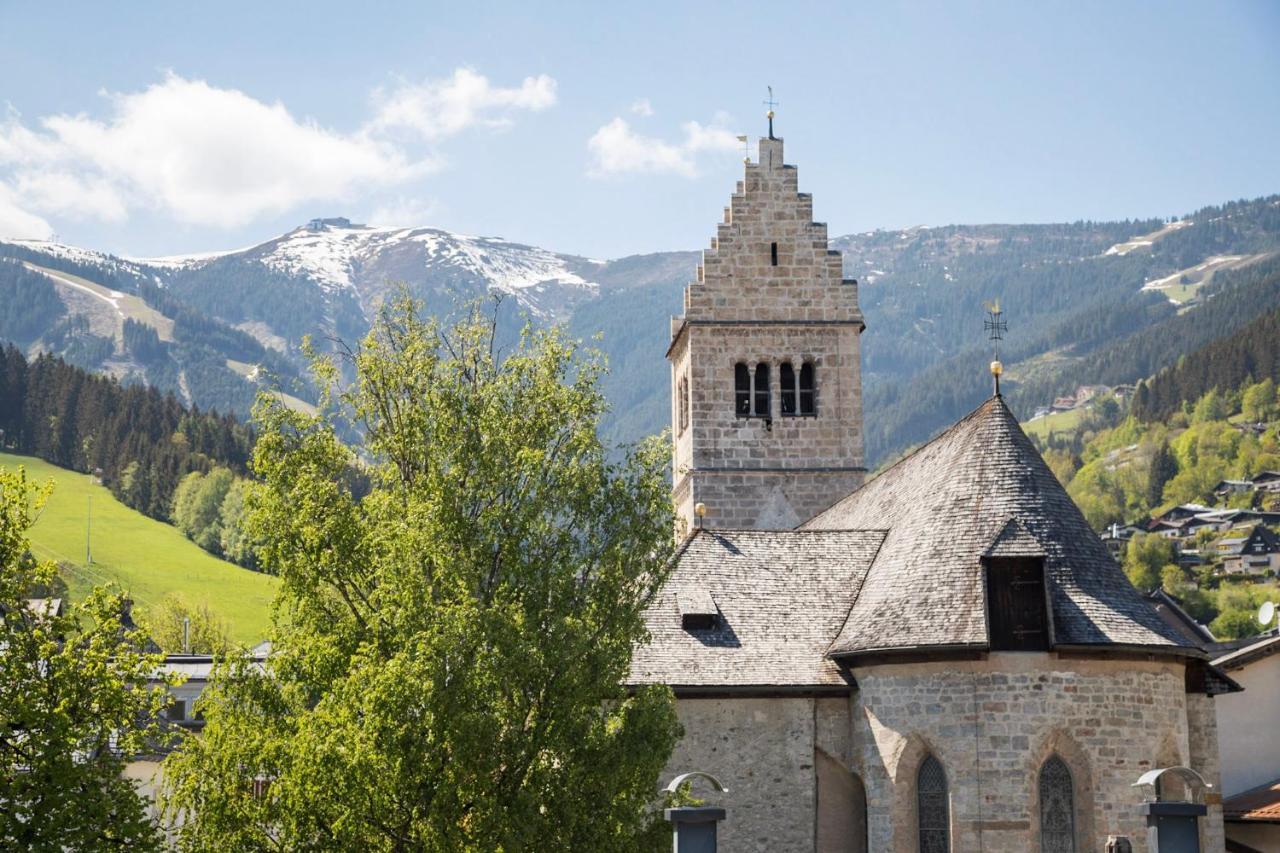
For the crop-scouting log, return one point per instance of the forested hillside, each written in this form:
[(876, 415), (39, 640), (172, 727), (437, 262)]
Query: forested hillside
[(1251, 353), (1079, 301), (137, 440)]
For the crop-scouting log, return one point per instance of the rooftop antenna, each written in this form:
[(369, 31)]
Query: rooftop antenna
[(995, 327), (770, 103)]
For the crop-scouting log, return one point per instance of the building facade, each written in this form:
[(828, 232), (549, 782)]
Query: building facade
[(945, 658)]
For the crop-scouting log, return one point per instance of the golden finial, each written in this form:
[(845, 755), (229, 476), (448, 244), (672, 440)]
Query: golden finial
[(770, 103)]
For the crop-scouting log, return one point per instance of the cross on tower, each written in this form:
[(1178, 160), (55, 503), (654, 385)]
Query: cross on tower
[(770, 103), (995, 327)]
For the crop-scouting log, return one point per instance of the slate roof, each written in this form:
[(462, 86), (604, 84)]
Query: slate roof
[(782, 595), (981, 487)]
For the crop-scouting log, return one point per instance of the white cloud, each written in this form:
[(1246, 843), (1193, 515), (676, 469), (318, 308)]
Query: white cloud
[(211, 156), (616, 149), (435, 109), (18, 223), (403, 211), (642, 107)]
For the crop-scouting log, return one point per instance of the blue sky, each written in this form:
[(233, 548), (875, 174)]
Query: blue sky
[(151, 128)]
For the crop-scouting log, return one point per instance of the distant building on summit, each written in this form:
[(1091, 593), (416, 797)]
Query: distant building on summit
[(945, 658)]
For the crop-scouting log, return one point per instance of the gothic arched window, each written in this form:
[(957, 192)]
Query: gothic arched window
[(762, 390), (808, 389), (932, 817), (787, 379), (742, 389), (1057, 808)]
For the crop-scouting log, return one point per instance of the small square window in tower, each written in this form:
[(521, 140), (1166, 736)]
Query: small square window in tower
[(787, 380), (1016, 604), (762, 390), (742, 390)]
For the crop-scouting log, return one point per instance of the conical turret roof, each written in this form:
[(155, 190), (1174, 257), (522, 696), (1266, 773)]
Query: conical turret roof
[(978, 490)]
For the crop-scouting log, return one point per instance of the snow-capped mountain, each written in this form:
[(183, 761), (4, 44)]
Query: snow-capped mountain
[(363, 261)]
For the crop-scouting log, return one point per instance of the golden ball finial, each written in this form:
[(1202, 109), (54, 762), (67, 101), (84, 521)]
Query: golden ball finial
[(769, 114), (996, 368)]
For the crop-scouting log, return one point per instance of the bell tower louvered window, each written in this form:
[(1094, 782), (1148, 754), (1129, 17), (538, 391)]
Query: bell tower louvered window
[(762, 390), (787, 381), (932, 809), (808, 389), (742, 390), (1057, 808)]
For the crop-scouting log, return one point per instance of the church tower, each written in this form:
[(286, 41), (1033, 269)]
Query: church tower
[(766, 383)]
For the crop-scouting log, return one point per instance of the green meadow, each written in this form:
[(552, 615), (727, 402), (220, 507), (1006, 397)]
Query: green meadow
[(147, 558)]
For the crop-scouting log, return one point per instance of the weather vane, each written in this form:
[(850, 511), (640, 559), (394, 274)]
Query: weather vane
[(746, 148), (995, 327), (770, 103)]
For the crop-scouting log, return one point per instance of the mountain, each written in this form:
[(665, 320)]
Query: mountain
[(1075, 295)]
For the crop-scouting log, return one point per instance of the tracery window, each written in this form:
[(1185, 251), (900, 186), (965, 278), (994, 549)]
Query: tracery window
[(932, 811), (1057, 808)]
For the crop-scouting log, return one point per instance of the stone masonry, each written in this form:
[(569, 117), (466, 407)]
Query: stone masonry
[(768, 290), (992, 723)]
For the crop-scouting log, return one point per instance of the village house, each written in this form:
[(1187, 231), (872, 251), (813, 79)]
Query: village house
[(943, 658), (1255, 552), (1250, 747)]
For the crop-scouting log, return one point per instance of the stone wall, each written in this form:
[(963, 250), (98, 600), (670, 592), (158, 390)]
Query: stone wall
[(762, 751), (993, 722)]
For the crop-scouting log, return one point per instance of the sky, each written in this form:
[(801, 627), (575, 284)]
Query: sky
[(161, 128)]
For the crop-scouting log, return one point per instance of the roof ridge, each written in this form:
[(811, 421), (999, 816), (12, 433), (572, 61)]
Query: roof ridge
[(862, 584), (987, 403)]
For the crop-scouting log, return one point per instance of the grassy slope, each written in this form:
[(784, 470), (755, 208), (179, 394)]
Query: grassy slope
[(1057, 422), (146, 557)]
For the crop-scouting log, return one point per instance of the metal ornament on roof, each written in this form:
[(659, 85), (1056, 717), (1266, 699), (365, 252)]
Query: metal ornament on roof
[(995, 326), (770, 103)]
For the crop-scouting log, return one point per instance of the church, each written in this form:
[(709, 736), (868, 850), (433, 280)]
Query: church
[(942, 658)]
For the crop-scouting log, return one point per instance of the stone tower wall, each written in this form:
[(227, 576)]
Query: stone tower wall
[(779, 470)]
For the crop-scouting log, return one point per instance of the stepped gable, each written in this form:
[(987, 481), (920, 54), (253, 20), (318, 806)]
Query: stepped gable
[(981, 489), (775, 599)]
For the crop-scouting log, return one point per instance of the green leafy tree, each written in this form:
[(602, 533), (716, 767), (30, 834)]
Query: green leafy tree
[(1145, 559), (197, 507), (237, 544), (206, 632), (74, 699), (1164, 466), (1259, 401), (450, 650), (1173, 579), (1211, 407)]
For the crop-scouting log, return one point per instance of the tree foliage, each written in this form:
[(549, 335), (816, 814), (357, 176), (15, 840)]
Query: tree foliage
[(74, 700), (176, 619), (450, 650)]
